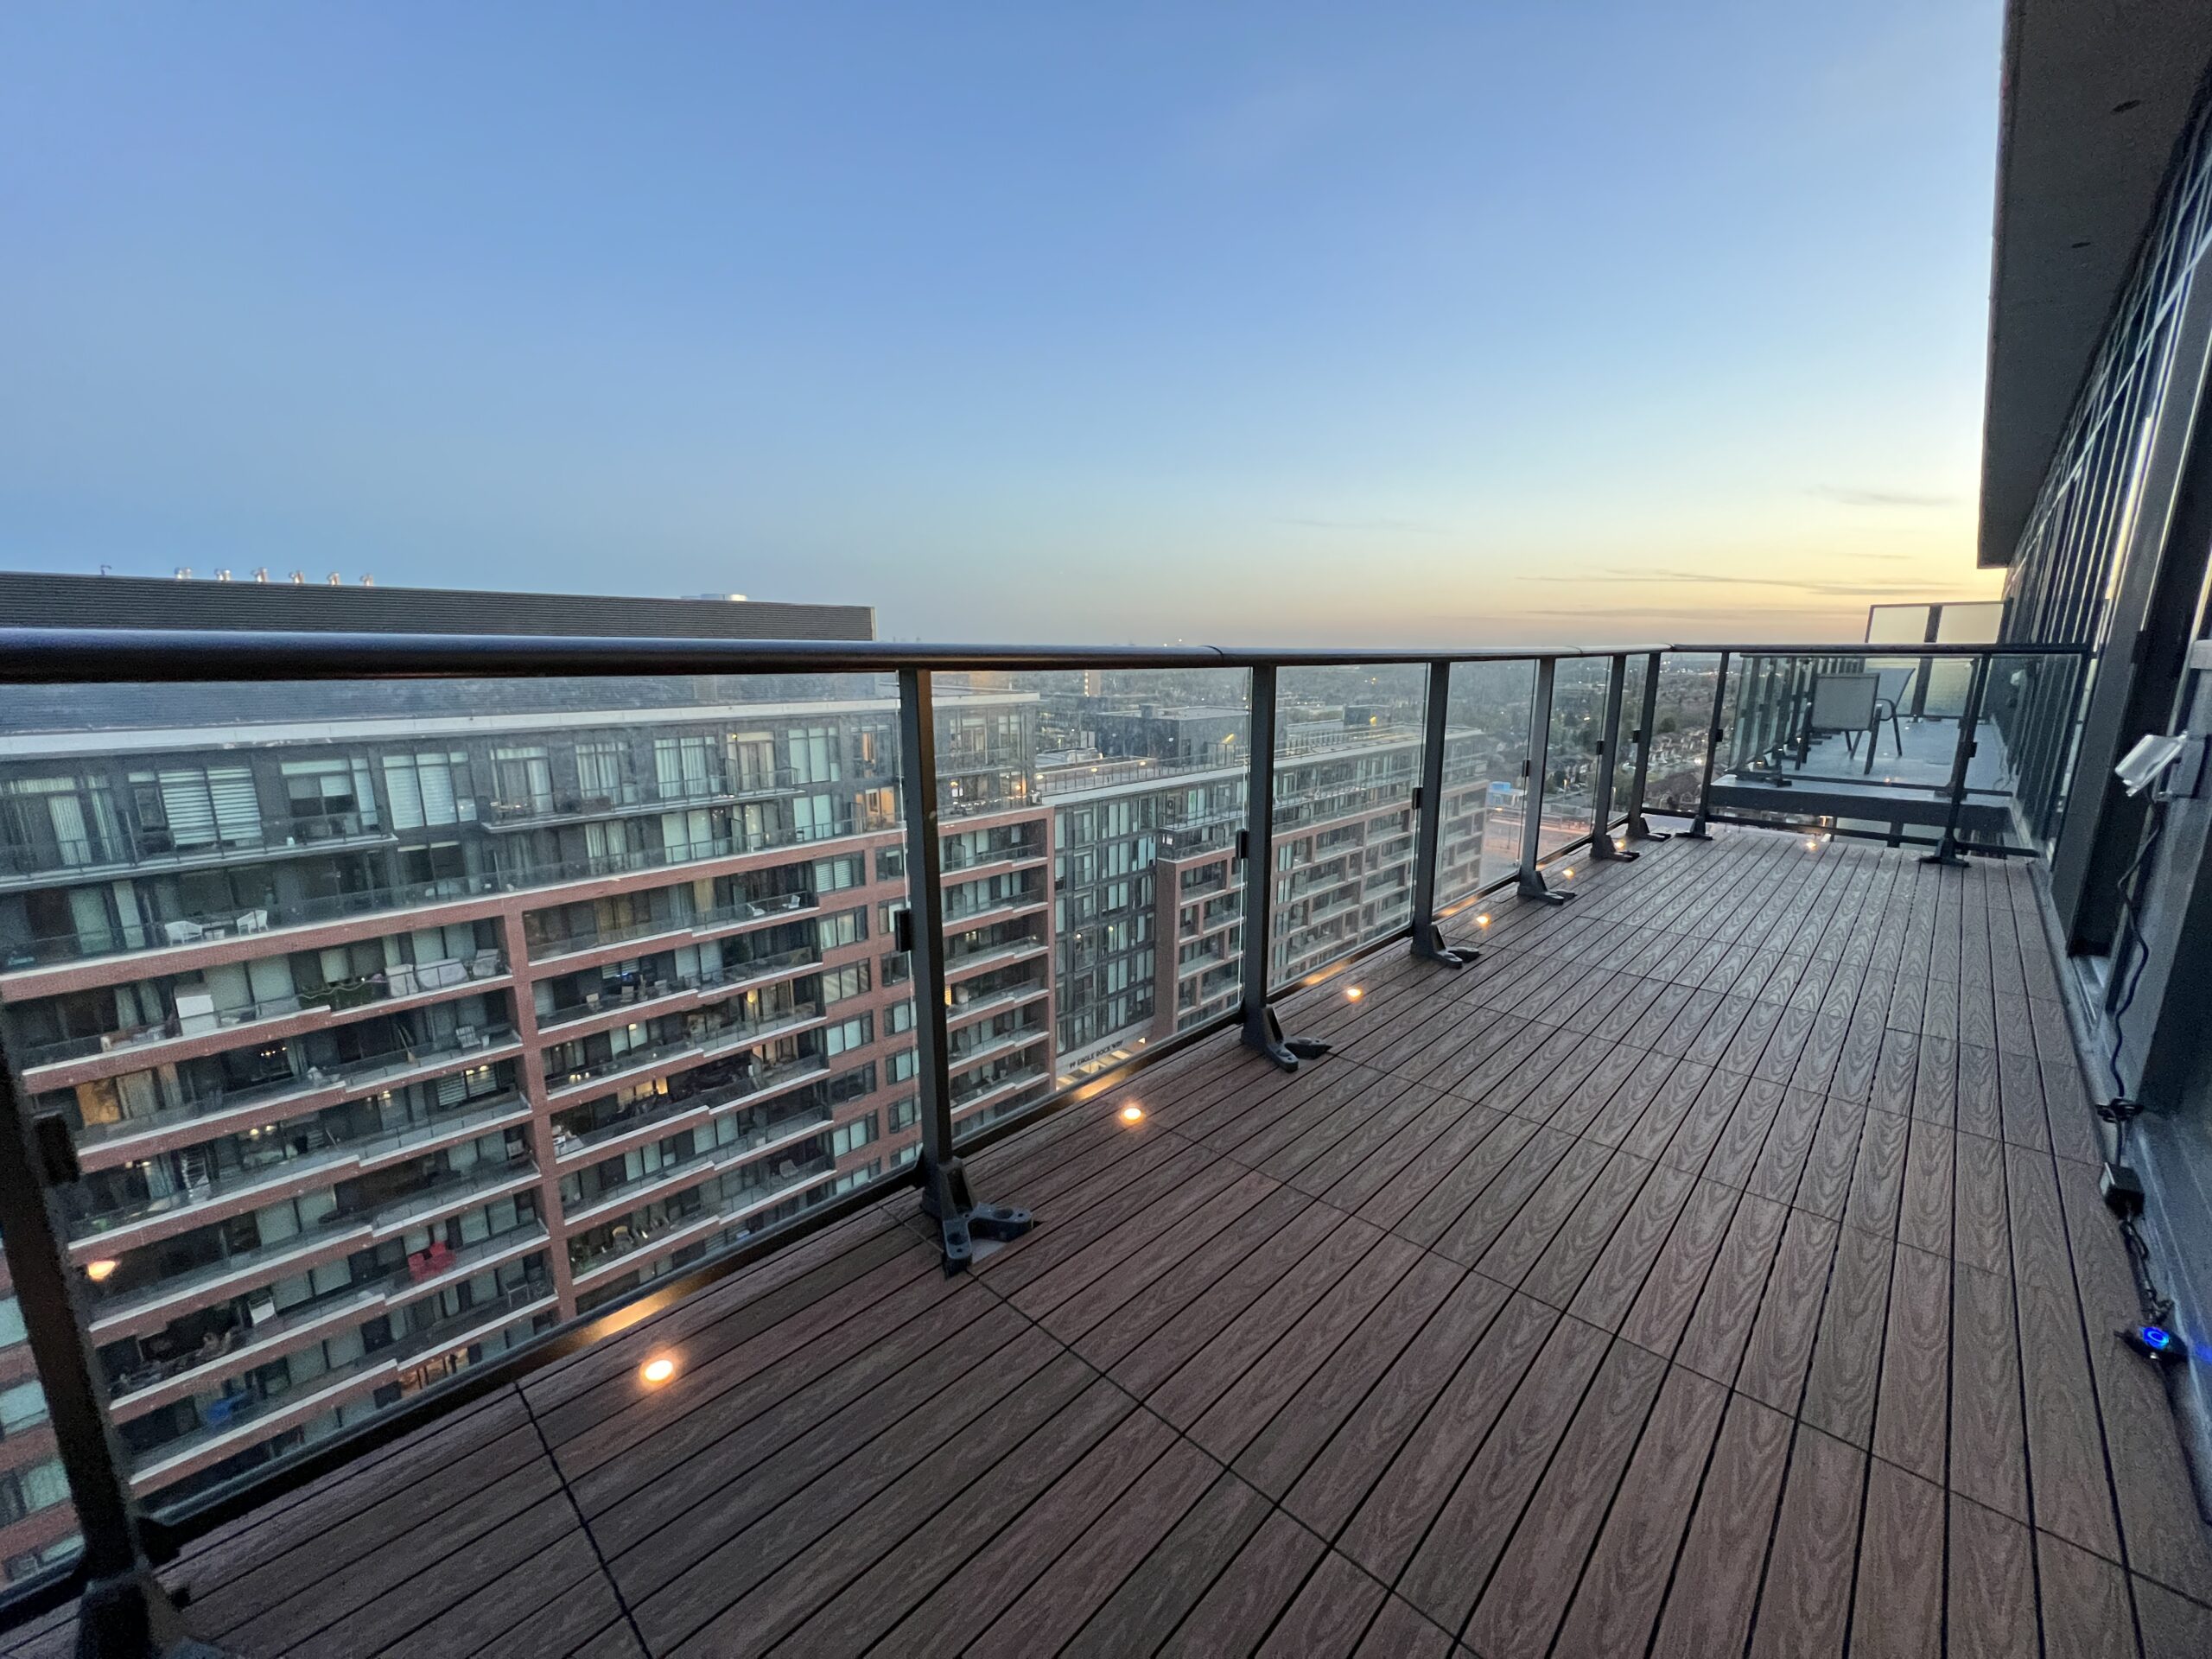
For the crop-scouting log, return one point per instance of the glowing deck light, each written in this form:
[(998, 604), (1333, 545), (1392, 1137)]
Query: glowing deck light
[(98, 1271), (1132, 1112), (2158, 1337), (1482, 921), (658, 1369), (1353, 993)]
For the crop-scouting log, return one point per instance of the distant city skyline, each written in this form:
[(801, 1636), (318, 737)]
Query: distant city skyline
[(1590, 325)]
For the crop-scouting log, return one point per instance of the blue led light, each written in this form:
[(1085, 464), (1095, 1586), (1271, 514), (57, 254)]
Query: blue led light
[(2157, 1337)]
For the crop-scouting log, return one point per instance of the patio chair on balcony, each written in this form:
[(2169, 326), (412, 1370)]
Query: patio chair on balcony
[(1840, 704), (1889, 697)]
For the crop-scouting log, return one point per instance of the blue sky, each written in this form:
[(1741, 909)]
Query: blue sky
[(1573, 323)]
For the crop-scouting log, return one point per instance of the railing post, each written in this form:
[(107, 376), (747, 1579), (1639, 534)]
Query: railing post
[(125, 1611), (1262, 1031), (1601, 787), (1531, 883), (946, 1196), (1647, 719), (1428, 843), (1946, 850), (1698, 830)]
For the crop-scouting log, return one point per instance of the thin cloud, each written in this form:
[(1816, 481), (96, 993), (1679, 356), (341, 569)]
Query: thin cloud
[(1851, 496), (1797, 584)]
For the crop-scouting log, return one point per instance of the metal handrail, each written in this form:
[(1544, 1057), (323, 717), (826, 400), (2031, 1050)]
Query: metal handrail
[(122, 1534)]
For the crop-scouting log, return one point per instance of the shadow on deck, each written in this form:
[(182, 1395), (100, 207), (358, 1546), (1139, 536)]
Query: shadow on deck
[(1716, 1266)]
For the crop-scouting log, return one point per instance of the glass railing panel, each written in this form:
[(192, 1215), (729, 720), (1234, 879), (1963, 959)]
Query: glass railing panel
[(1832, 743), (307, 1063), (2031, 705), (38, 1521), (1628, 745), (1136, 801), (1348, 759), (1682, 715), (1485, 781), (1571, 761)]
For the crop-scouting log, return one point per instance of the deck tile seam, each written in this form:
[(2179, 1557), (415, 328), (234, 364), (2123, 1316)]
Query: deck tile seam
[(583, 1524)]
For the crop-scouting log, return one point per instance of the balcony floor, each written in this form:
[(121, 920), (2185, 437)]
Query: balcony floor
[(1715, 1267)]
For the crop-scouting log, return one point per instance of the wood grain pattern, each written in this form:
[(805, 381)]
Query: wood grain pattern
[(1714, 1268)]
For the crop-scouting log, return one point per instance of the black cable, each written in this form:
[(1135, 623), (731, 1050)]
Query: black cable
[(2156, 1306), (2131, 937)]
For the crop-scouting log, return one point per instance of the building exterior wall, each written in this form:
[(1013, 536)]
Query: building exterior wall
[(388, 1043)]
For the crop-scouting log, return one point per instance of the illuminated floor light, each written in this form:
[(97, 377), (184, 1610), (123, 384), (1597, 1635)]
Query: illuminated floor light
[(658, 1371), (1482, 921), (1132, 1112), (1353, 993), (98, 1271)]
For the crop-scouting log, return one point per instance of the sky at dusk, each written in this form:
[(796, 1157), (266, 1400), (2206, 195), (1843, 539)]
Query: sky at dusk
[(1456, 324)]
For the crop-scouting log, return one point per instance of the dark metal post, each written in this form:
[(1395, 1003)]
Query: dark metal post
[(1946, 850), (946, 1196), (1428, 844), (125, 1612), (1647, 722), (1928, 636), (1531, 882), (1262, 1030), (1601, 788), (1698, 830)]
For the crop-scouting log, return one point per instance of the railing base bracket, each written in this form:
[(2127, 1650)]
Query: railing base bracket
[(1429, 946), (132, 1616), (1639, 828), (1264, 1032), (960, 1219), (1531, 886)]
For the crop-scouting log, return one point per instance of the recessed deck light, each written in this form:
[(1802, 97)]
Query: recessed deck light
[(1132, 1112), (658, 1369), (1353, 993)]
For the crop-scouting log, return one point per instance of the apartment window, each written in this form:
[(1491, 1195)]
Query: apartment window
[(754, 754), (813, 817), (847, 927), (848, 1035), (524, 777), (330, 796), (891, 863), (841, 982), (599, 768), (427, 789), (209, 806), (897, 968), (835, 874), (683, 766), (851, 1137), (11, 1322), (26, 1491), (814, 754), (900, 1066), (899, 1017), (905, 1114), (45, 816), (23, 1406)]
